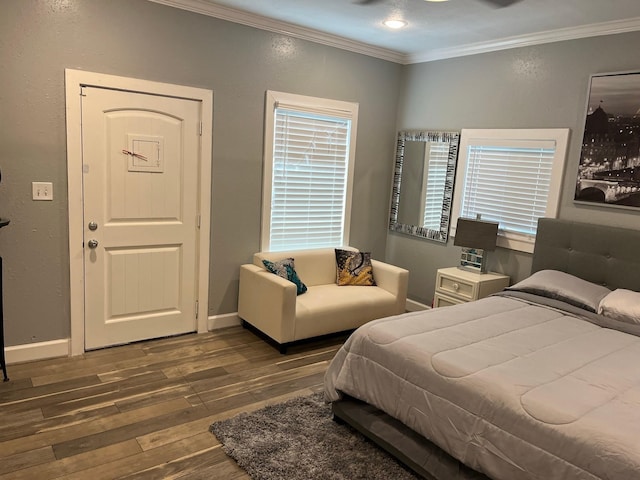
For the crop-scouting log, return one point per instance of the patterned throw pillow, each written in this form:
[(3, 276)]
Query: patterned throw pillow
[(354, 268), (286, 269)]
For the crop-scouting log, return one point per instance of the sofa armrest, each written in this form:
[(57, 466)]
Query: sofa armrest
[(268, 302), (393, 279)]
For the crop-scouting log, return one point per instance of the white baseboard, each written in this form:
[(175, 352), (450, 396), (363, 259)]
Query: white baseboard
[(37, 351), (225, 320), (60, 348), (413, 306)]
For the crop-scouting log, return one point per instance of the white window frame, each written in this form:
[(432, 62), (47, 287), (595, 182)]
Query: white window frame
[(513, 137), (314, 105)]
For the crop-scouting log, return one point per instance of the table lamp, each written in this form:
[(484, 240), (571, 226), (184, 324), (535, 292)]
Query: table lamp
[(476, 237)]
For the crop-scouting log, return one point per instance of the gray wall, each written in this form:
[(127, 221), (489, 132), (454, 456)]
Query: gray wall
[(544, 86), (140, 39)]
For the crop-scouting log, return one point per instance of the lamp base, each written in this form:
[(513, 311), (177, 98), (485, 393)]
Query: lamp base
[(473, 260)]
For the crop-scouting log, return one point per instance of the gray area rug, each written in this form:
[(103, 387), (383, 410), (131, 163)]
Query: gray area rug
[(298, 440)]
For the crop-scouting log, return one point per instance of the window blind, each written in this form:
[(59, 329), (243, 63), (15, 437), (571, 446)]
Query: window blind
[(438, 158), (310, 167), (508, 184)]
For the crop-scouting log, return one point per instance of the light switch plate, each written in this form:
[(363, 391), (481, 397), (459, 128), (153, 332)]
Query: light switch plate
[(42, 190)]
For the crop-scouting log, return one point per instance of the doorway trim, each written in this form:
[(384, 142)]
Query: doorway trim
[(74, 81)]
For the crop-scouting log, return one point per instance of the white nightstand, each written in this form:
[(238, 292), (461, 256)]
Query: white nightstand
[(454, 285)]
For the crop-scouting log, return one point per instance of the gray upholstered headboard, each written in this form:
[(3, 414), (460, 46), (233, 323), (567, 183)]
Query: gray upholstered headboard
[(607, 256)]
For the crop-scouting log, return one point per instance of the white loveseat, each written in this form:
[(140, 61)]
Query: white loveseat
[(270, 304)]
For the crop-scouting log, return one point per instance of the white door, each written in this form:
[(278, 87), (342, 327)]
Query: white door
[(140, 183)]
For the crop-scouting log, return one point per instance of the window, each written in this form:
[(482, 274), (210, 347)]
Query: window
[(308, 170), (512, 177)]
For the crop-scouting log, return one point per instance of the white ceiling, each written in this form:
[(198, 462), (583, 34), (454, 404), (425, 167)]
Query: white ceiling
[(435, 30)]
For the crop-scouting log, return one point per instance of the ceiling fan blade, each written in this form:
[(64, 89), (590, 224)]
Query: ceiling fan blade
[(501, 3), (367, 2)]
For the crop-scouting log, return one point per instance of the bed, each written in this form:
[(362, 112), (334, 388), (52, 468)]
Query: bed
[(531, 383)]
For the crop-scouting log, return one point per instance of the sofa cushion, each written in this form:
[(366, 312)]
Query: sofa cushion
[(331, 308), (354, 268), (285, 268)]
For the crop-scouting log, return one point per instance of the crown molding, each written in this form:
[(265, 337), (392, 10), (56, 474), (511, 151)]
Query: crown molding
[(550, 36), (205, 7), (257, 21)]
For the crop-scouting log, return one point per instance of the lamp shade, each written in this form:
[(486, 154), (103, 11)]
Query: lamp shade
[(476, 234)]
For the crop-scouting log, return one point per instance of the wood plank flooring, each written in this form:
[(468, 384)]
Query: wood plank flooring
[(142, 411)]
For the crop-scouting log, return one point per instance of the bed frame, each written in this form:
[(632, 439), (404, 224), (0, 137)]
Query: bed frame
[(603, 255)]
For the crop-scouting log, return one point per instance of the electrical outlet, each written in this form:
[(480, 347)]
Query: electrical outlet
[(42, 190)]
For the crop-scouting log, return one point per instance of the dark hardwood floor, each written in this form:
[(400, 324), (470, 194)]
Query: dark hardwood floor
[(142, 411)]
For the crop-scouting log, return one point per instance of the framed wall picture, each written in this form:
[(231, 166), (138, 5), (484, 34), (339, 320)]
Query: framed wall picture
[(609, 170)]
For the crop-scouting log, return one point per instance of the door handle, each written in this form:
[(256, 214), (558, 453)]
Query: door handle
[(92, 243)]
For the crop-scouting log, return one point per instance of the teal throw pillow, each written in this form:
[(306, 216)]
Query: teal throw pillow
[(286, 269)]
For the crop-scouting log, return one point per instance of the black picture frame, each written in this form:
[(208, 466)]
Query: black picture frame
[(609, 168)]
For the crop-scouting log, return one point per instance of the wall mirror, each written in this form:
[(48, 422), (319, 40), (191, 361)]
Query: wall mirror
[(424, 172)]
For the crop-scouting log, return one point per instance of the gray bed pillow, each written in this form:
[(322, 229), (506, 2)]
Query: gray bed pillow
[(623, 305), (564, 287)]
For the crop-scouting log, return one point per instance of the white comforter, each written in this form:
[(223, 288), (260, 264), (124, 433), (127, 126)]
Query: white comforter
[(512, 389)]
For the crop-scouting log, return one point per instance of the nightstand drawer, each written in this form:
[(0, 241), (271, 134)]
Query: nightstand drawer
[(440, 300), (456, 286)]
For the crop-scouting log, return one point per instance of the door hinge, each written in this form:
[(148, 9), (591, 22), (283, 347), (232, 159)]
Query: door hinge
[(82, 94), (197, 305), (198, 221), (200, 129)]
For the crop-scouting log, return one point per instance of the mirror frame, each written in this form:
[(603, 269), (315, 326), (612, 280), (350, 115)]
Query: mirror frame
[(453, 138)]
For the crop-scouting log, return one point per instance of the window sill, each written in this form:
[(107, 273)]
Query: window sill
[(516, 244)]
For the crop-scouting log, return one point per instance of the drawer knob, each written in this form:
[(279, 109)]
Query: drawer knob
[(456, 287)]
